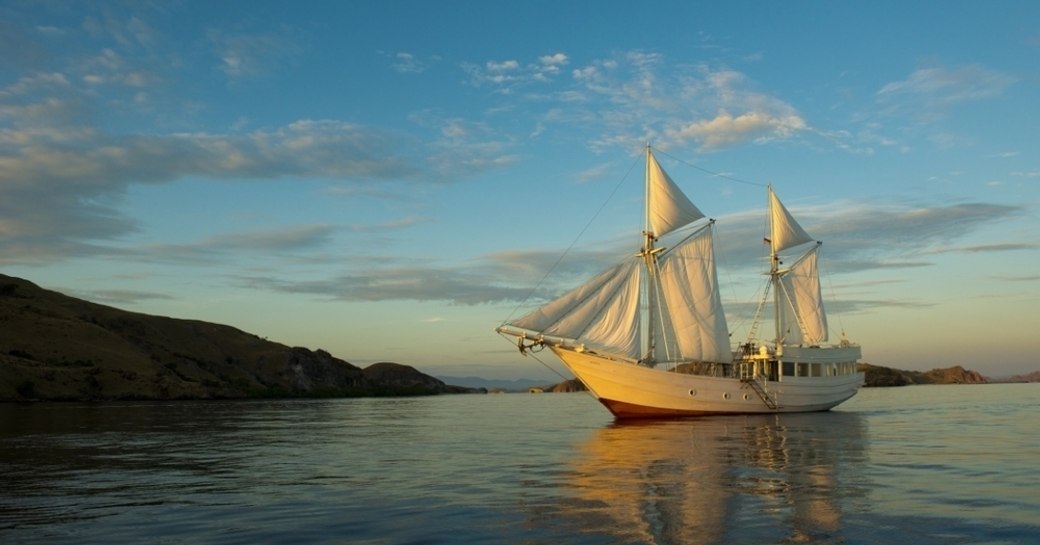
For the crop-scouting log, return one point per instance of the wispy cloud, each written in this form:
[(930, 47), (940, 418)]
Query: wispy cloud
[(453, 285), (947, 86), (119, 297), (859, 238), (246, 54), (275, 241), (59, 187), (407, 63), (637, 95), (509, 75), (928, 93), (725, 130)]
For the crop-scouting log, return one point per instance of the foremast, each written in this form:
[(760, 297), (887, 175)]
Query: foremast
[(649, 255)]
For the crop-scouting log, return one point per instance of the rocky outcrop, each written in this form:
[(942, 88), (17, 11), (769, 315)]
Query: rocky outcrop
[(954, 375), (567, 386), (55, 347), (1028, 377), (404, 378), (886, 376)]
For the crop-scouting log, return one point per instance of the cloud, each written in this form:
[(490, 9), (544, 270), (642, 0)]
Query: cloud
[(507, 76), (118, 297), (864, 236), (58, 186), (407, 63), (637, 95), (927, 93), (857, 238), (458, 286), (986, 248), (275, 241), (726, 130), (947, 86), (243, 54)]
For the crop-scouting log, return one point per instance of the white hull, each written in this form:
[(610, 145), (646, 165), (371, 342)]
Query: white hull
[(634, 391)]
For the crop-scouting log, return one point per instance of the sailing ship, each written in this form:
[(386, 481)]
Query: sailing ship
[(648, 336)]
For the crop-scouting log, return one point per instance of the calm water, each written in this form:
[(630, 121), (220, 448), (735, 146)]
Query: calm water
[(916, 465)]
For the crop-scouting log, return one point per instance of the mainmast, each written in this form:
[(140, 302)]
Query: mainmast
[(648, 253)]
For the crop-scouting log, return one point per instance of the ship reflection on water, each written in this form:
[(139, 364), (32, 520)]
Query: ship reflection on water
[(775, 478)]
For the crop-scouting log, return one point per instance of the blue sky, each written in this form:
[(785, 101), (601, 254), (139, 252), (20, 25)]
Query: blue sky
[(390, 180)]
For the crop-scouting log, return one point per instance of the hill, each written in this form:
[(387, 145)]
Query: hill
[(886, 376), (1029, 377), (56, 347)]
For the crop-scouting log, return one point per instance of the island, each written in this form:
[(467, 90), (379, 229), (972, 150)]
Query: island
[(54, 347)]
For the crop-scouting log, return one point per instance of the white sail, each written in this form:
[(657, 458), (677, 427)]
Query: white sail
[(691, 304), (783, 229), (602, 314), (667, 207), (802, 318)]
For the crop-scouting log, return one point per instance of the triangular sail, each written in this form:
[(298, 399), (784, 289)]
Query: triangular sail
[(667, 207), (784, 230), (691, 304), (802, 318)]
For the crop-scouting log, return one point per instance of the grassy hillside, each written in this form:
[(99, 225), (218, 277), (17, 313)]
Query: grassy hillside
[(55, 347)]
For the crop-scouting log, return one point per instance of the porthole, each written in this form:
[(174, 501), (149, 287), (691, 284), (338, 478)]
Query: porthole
[(693, 392), (725, 395), (746, 397)]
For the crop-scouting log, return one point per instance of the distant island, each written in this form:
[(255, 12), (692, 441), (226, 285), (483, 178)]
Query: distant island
[(58, 348)]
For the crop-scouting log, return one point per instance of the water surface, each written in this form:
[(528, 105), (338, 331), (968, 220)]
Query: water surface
[(915, 465)]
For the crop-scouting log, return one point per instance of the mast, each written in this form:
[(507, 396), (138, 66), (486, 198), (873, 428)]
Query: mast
[(649, 257), (774, 272)]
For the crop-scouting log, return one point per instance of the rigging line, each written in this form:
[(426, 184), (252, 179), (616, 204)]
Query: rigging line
[(713, 173), (549, 367), (574, 242), (539, 360), (832, 295)]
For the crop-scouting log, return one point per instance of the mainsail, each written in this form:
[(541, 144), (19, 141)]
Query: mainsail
[(691, 303), (671, 293)]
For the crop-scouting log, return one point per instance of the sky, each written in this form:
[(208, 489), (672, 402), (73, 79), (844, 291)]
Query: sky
[(391, 180)]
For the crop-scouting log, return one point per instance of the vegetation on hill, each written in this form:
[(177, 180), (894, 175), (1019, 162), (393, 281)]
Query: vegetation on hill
[(55, 347), (885, 376)]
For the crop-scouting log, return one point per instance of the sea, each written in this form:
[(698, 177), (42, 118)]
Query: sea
[(913, 465)]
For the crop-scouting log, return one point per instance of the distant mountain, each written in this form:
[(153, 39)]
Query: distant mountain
[(1028, 377), (55, 347), (885, 376), (515, 385)]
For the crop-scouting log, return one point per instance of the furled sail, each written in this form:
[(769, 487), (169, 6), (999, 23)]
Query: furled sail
[(667, 207), (602, 314), (802, 318), (784, 230), (691, 305)]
